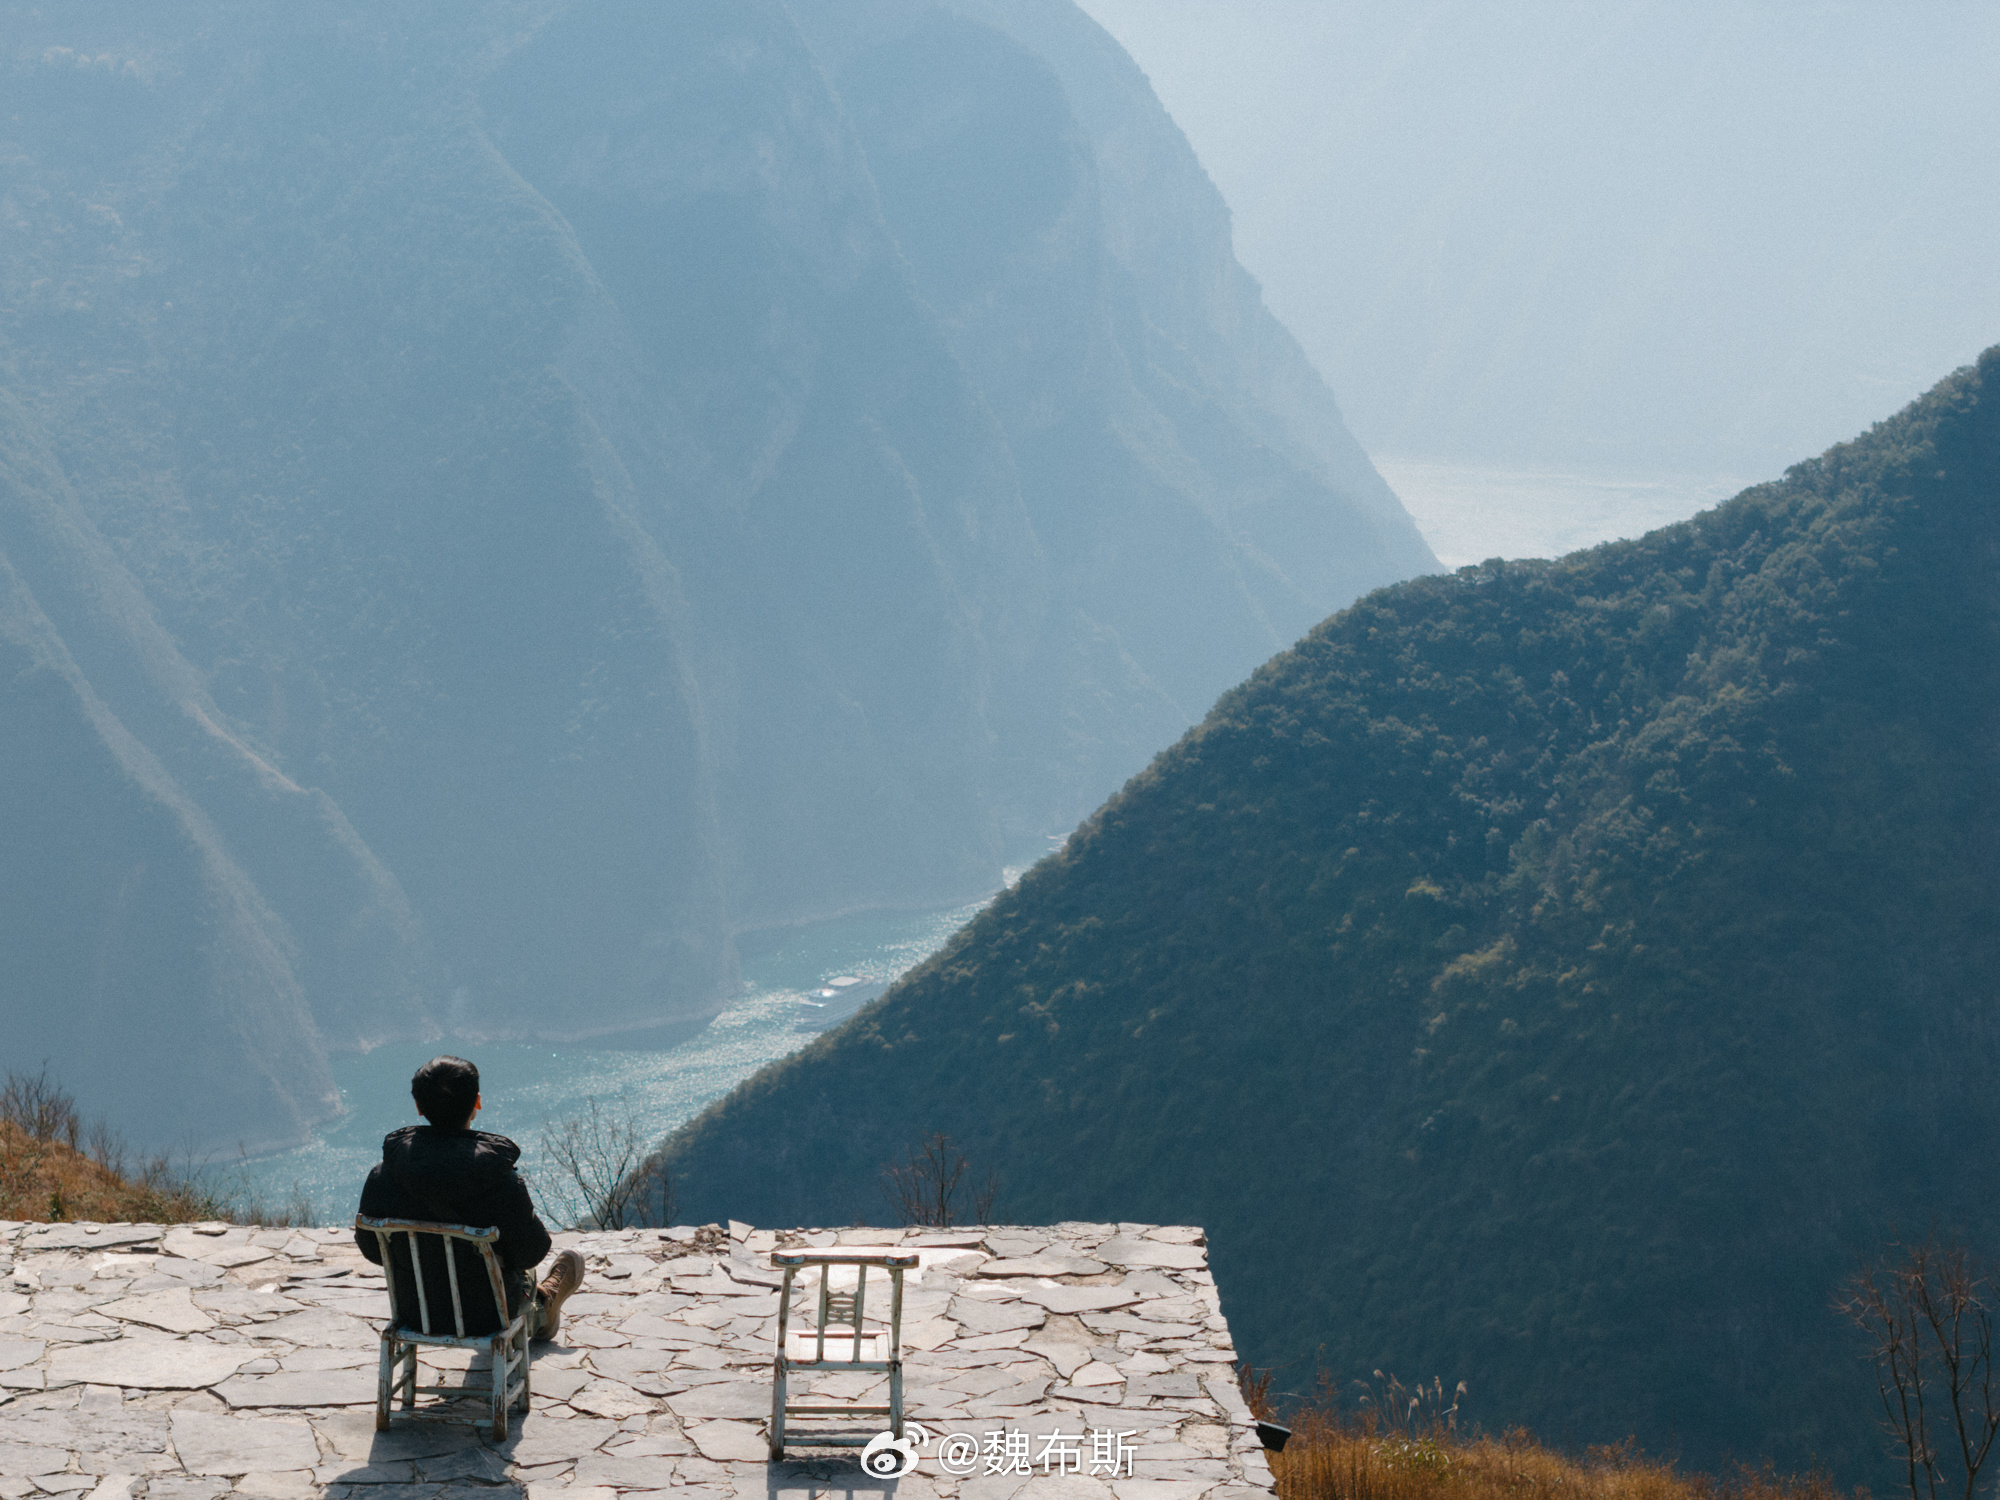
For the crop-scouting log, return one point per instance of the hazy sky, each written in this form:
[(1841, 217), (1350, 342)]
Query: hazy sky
[(1702, 237)]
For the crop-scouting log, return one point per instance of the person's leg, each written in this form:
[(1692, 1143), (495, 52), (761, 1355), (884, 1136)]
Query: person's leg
[(565, 1276)]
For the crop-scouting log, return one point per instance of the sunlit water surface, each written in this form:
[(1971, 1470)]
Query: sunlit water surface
[(1470, 512), (1467, 513), (528, 1086)]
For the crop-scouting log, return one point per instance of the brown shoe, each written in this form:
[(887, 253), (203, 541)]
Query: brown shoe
[(564, 1277)]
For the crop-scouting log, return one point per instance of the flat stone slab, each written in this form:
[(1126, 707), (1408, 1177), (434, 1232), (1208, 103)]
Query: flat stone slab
[(1043, 1263), (172, 1310), (85, 1236), (323, 1327), (727, 1442), (1075, 1299), (153, 1364), (1132, 1251), (350, 1387), (14, 1353), (735, 1398), (208, 1444), (224, 1362)]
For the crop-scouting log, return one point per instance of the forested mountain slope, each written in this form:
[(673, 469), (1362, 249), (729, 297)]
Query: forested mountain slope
[(1552, 975), (496, 499)]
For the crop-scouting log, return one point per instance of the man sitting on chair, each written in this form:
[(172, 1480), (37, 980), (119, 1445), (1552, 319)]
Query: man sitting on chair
[(448, 1173)]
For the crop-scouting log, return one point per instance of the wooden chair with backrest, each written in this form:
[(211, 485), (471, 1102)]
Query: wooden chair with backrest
[(837, 1340), (427, 1326)]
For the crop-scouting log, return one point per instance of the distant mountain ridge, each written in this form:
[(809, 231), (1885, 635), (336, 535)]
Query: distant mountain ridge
[(496, 499), (1553, 975)]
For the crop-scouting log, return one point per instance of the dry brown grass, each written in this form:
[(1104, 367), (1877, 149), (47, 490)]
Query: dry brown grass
[(1347, 1463), (1339, 1456), (53, 1180), (55, 1168)]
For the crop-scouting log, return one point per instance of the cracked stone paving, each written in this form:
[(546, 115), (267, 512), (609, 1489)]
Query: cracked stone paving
[(191, 1362)]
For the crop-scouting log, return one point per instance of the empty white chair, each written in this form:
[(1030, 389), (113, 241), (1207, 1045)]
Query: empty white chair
[(838, 1340)]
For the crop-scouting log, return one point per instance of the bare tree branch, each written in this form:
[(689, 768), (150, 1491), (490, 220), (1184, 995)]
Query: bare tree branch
[(603, 1174), (1927, 1311), (40, 1106), (924, 1185)]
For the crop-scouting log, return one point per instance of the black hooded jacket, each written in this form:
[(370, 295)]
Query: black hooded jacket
[(454, 1177)]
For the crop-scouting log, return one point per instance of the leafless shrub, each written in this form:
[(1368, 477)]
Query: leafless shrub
[(166, 1194), (924, 1186), (1255, 1384), (235, 1196), (106, 1147), (40, 1106), (1927, 1311), (600, 1173)]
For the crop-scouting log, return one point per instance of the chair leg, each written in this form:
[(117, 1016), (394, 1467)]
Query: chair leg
[(527, 1363), (409, 1379), (778, 1409), (497, 1353), (896, 1398), (384, 1390)]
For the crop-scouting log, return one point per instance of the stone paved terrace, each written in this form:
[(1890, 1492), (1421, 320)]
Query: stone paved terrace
[(190, 1362)]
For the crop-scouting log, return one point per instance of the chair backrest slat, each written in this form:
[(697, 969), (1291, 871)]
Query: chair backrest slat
[(493, 1276), (457, 1304), (417, 1275), (819, 1349), (383, 1243), (860, 1309)]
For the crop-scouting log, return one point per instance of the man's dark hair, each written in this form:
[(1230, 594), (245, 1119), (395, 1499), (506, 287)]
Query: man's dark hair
[(445, 1089)]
